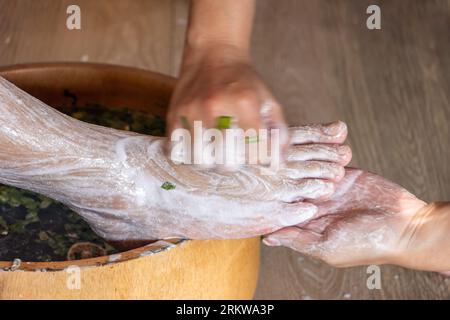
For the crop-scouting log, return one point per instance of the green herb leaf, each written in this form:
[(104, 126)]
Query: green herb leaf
[(224, 122), (184, 122), (168, 186)]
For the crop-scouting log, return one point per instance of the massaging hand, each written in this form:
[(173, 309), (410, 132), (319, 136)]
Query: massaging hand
[(370, 220), (220, 82), (115, 179), (217, 78)]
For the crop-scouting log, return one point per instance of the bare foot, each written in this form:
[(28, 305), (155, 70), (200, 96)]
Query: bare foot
[(117, 180)]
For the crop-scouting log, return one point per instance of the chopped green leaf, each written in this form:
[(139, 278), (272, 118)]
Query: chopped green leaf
[(168, 185), (224, 122), (184, 122)]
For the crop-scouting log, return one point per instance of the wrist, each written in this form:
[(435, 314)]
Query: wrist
[(214, 53), (404, 225), (424, 243), (215, 24), (199, 36)]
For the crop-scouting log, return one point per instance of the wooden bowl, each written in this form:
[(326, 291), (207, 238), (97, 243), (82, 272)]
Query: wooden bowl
[(177, 269)]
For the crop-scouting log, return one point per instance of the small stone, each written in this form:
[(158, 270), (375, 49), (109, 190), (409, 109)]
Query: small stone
[(43, 236), (15, 265)]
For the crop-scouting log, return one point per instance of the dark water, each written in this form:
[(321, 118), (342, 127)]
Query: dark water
[(36, 228)]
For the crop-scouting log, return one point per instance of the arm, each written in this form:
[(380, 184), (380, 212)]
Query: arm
[(223, 23), (217, 77), (370, 220)]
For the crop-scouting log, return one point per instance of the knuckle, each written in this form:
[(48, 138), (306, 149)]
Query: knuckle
[(211, 104), (246, 98), (211, 100)]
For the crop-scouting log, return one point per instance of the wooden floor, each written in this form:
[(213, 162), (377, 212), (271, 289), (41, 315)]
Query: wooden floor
[(391, 86)]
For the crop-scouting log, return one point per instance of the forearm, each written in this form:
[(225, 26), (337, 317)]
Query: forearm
[(47, 152), (220, 29), (28, 127), (425, 242)]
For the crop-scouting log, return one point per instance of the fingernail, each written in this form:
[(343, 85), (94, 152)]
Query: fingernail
[(333, 128), (271, 242), (343, 150)]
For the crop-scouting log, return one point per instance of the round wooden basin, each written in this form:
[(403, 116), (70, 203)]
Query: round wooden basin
[(175, 269)]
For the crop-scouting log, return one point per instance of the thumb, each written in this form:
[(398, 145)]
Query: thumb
[(301, 240)]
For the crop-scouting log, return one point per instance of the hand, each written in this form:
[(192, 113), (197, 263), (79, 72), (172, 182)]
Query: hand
[(220, 81), (369, 220)]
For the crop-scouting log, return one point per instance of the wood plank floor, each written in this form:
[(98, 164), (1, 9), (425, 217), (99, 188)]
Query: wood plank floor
[(392, 87)]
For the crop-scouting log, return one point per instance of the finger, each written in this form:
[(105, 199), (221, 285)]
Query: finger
[(236, 115), (335, 132), (303, 241), (321, 152), (320, 223), (290, 214), (178, 155), (312, 170), (271, 115), (198, 141), (307, 189), (274, 137)]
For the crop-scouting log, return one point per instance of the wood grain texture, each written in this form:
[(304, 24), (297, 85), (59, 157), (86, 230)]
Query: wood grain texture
[(135, 33), (207, 269), (391, 86)]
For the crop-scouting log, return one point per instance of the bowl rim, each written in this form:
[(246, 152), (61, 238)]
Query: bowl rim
[(146, 250), (166, 79)]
